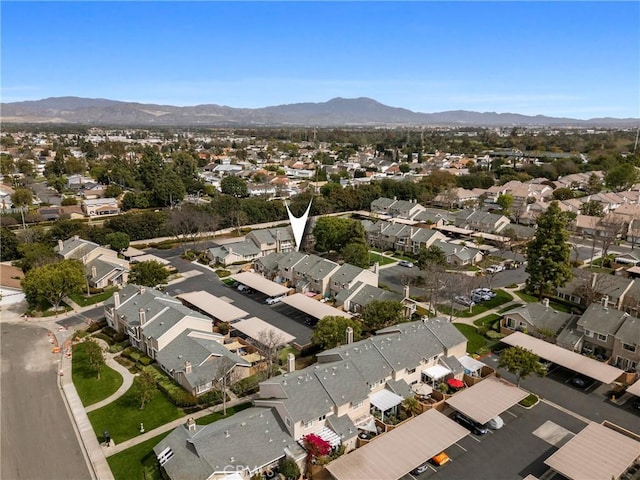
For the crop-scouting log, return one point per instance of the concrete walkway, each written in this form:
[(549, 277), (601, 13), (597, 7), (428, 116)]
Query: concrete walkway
[(113, 449), (127, 381)]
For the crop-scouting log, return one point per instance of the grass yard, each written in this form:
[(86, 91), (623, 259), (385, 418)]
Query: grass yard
[(215, 416), (90, 389), (123, 417), (487, 321), (501, 298), (82, 300), (381, 259), (526, 297), (137, 462), (475, 341)]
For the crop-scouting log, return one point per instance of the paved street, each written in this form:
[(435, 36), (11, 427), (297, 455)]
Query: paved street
[(252, 303), (38, 439)]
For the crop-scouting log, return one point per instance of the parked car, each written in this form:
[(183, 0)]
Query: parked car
[(495, 423), (494, 269), (464, 300), (244, 289), (421, 469), (440, 459), (404, 263), (480, 297), (580, 382), (487, 291), (274, 300), (469, 424)]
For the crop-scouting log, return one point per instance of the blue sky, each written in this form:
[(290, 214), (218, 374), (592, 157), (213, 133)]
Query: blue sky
[(575, 59)]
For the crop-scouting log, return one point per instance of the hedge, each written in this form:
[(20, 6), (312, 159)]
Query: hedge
[(94, 327)]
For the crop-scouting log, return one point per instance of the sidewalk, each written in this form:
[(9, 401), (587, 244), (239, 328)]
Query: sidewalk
[(113, 449), (127, 381)]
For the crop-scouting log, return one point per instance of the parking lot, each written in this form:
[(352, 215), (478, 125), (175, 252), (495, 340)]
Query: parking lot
[(519, 448)]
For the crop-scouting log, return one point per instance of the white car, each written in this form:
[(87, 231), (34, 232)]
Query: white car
[(495, 423), (274, 300), (404, 263)]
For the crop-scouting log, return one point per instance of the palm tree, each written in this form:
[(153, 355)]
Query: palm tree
[(412, 405)]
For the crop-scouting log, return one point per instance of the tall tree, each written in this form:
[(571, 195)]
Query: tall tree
[(95, 356), (521, 362), (22, 197), (505, 201), (330, 331), (549, 253), (236, 186), (382, 313), (592, 208), (118, 241), (621, 177), (144, 388), (150, 273), (53, 282), (356, 254), (269, 342)]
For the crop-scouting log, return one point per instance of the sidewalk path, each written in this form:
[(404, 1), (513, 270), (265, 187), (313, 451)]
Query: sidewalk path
[(127, 381), (112, 450)]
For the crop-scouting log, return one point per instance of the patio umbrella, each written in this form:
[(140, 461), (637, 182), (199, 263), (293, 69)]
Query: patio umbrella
[(455, 383)]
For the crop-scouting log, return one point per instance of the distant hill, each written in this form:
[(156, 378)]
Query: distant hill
[(335, 112)]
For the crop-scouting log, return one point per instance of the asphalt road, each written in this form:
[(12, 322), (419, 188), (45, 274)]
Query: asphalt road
[(252, 303), (38, 440)]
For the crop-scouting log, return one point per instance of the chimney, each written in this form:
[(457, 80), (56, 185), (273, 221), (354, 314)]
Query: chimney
[(405, 291), (349, 335), (94, 272), (142, 316), (605, 301), (116, 300), (545, 302), (291, 362), (187, 367), (142, 290), (191, 424), (60, 245), (76, 237)]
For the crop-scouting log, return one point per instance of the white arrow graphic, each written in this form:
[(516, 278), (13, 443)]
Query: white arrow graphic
[(298, 224)]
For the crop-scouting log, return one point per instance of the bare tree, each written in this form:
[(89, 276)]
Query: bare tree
[(269, 342), (591, 287), (434, 282), (224, 375), (189, 222), (609, 229)]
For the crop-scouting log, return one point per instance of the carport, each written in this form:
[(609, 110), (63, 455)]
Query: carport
[(255, 328), (595, 452), (312, 307), (589, 367), (486, 399), (393, 454), (213, 306), (261, 284), (634, 389)]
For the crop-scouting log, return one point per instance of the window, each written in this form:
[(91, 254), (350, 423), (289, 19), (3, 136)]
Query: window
[(308, 424), (356, 405), (287, 421), (601, 337), (511, 323), (411, 370), (322, 418), (588, 333), (629, 347)]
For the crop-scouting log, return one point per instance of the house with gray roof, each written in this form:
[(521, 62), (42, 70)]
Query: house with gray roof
[(537, 319), (360, 295), (348, 275), (102, 266), (598, 326), (435, 217), (346, 378), (459, 254), (251, 441), (271, 240), (626, 345), (481, 221), (238, 252), (180, 339)]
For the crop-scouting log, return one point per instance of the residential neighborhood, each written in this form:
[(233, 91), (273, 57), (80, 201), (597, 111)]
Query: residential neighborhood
[(246, 353)]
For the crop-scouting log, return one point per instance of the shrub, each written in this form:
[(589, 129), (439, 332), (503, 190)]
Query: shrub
[(223, 328), (494, 335), (146, 361), (94, 327), (104, 337), (222, 273), (247, 385), (109, 331), (483, 330), (80, 334), (118, 347)]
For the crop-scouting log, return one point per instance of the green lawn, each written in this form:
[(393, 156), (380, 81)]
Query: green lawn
[(475, 341), (123, 417), (501, 298), (526, 297), (487, 321), (215, 416), (90, 389), (138, 462), (82, 300), (381, 259)]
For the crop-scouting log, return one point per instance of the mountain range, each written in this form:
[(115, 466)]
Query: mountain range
[(335, 112)]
